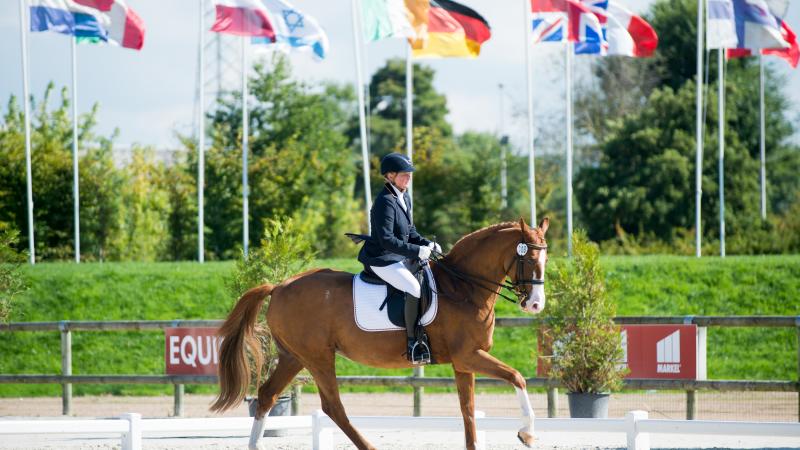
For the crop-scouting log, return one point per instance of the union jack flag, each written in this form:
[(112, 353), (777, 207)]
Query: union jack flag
[(564, 20)]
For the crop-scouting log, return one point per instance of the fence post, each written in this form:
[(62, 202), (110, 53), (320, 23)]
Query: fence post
[(132, 439), (636, 440), (797, 328), (552, 402), (66, 367), (322, 436), (691, 404), (480, 435), (178, 400), (297, 391), (419, 372)]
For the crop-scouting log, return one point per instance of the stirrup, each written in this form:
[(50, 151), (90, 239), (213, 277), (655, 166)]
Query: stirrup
[(419, 353)]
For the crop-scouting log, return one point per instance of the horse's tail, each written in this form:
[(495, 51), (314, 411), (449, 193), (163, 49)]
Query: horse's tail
[(238, 333)]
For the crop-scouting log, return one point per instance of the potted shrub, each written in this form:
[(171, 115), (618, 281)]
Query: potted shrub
[(283, 251), (585, 342)]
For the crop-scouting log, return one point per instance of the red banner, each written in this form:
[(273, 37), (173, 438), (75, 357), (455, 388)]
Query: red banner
[(191, 351), (650, 351)]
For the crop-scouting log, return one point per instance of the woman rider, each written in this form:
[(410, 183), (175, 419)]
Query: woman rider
[(394, 240)]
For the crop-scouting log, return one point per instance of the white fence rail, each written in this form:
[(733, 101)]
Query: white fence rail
[(636, 426)]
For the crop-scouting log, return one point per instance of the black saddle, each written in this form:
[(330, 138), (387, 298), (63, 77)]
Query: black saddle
[(395, 298)]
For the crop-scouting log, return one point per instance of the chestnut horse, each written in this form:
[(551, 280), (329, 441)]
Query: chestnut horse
[(310, 319)]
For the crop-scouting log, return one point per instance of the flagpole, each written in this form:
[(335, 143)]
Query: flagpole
[(75, 174), (529, 93), (361, 110), (201, 143), (762, 140), (410, 115), (503, 180), (245, 187), (27, 109), (698, 174), (721, 95), (568, 80)]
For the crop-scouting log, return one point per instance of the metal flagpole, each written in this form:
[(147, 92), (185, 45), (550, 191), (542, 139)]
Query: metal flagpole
[(410, 114), (75, 174), (27, 109), (529, 92), (503, 143), (201, 143), (568, 80), (698, 174), (361, 110), (721, 95), (245, 186), (762, 142)]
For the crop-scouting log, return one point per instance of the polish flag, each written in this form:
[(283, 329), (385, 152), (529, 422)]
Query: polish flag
[(243, 18)]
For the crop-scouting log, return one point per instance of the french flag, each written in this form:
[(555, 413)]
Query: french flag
[(790, 54), (98, 20), (625, 33), (564, 20), (244, 18)]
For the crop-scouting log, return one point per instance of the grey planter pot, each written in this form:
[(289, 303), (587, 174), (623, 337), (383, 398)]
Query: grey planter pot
[(583, 405), (282, 407)]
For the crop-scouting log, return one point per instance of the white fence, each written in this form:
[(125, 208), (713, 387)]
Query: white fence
[(636, 426)]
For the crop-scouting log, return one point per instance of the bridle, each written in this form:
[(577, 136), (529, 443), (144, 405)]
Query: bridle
[(513, 286)]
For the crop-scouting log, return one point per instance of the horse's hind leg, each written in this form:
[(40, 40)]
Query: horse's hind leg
[(288, 366), (324, 373)]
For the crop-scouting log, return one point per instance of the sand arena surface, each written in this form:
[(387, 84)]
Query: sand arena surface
[(365, 404)]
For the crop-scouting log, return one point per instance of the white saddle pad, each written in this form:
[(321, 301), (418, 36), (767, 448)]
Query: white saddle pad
[(367, 298)]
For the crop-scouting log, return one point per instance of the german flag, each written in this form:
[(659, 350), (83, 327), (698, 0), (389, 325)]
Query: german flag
[(451, 29)]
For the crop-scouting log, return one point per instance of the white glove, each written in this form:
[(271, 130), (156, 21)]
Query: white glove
[(424, 253), (435, 247)]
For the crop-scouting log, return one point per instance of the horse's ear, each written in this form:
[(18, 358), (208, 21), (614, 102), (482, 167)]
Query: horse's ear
[(522, 225), (544, 225)]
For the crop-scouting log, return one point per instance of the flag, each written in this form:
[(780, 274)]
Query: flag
[(564, 21), (90, 20), (294, 30), (243, 18), (624, 33), (387, 19), (747, 24), (444, 28), (790, 52), (271, 22)]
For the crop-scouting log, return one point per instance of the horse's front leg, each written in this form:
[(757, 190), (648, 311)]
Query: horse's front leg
[(482, 362), (465, 382)]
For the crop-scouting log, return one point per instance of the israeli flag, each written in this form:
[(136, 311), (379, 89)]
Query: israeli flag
[(294, 30)]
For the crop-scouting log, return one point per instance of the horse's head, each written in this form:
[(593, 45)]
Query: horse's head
[(531, 258)]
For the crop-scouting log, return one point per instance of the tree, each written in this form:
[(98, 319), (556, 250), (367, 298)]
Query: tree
[(300, 162), (640, 179)]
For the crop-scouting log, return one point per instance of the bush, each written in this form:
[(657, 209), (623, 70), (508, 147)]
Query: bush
[(284, 251), (11, 282), (586, 343)]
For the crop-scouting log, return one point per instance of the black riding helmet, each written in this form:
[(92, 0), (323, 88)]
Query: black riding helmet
[(396, 162)]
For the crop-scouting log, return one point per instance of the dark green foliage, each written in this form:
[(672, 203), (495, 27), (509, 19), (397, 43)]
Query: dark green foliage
[(586, 347), (636, 181)]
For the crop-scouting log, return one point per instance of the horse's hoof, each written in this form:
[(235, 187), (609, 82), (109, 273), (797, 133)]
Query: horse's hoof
[(527, 439)]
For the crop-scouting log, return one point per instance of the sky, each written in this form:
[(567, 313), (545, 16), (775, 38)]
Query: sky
[(150, 95)]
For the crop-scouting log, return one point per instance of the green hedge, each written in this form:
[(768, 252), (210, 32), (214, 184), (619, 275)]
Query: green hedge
[(652, 285)]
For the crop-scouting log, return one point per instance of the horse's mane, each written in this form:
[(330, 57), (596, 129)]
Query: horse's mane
[(463, 244)]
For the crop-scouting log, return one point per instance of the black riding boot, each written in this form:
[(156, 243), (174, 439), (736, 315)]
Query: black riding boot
[(418, 350)]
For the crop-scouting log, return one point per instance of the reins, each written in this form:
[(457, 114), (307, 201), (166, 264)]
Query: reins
[(475, 280)]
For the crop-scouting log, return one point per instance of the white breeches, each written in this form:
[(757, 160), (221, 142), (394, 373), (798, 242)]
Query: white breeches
[(398, 276)]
